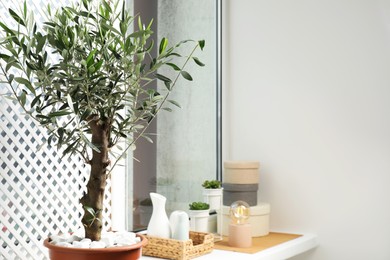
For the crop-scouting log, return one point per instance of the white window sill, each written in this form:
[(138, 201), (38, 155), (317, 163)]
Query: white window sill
[(280, 252)]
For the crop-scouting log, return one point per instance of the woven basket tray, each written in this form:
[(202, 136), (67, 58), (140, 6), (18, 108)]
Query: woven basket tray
[(198, 244)]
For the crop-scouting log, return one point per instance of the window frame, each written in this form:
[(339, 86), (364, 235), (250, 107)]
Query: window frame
[(122, 206)]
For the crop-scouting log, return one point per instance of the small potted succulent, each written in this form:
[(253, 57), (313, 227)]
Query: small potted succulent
[(212, 184), (199, 216), (85, 76), (212, 193)]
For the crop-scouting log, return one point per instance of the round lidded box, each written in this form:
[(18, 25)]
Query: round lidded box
[(246, 192), (241, 172), (259, 219)]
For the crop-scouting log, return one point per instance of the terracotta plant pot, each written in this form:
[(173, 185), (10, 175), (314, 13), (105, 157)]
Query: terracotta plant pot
[(131, 252)]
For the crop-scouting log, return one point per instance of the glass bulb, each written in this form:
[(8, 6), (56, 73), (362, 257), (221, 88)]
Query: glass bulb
[(239, 212)]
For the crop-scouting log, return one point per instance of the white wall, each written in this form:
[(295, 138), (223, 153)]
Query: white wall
[(307, 93)]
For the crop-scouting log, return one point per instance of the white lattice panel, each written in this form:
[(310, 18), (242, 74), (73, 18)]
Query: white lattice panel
[(39, 191)]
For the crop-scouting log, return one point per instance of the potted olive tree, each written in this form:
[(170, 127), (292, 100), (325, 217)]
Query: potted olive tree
[(85, 77)]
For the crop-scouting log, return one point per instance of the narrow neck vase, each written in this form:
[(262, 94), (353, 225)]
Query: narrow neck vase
[(159, 225)]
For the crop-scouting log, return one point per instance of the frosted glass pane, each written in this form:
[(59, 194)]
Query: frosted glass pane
[(185, 150), (186, 146)]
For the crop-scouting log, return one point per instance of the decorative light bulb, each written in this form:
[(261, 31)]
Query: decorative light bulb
[(239, 212)]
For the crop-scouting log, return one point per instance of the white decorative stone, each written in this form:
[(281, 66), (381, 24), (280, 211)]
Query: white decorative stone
[(86, 240), (109, 239), (80, 233), (73, 238), (125, 238), (124, 241), (130, 235), (97, 244), (64, 244), (78, 244), (55, 239), (59, 238)]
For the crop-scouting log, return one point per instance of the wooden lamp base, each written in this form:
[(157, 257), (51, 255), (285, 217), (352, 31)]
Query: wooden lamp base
[(240, 235)]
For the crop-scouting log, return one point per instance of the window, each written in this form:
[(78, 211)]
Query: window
[(186, 149)]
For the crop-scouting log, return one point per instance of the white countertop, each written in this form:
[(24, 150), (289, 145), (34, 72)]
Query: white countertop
[(280, 252)]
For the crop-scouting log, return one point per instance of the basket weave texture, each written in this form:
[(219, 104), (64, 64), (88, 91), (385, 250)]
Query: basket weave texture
[(198, 244)]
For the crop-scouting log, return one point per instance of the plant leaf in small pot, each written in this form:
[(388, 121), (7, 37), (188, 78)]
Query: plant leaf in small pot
[(199, 215), (212, 184), (199, 206)]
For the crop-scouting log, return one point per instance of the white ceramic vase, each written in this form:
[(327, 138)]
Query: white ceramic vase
[(159, 223), (180, 225)]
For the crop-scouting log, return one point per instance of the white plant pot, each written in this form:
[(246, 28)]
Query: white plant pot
[(213, 197), (199, 220)]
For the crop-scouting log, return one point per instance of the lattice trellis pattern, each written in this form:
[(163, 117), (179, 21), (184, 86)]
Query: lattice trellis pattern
[(39, 190)]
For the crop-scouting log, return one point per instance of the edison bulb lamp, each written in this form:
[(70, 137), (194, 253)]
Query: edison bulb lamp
[(240, 234), (239, 212)]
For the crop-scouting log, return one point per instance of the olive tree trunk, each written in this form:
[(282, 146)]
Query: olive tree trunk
[(92, 200)]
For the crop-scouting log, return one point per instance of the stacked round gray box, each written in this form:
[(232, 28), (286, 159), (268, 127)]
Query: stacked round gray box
[(240, 182)]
